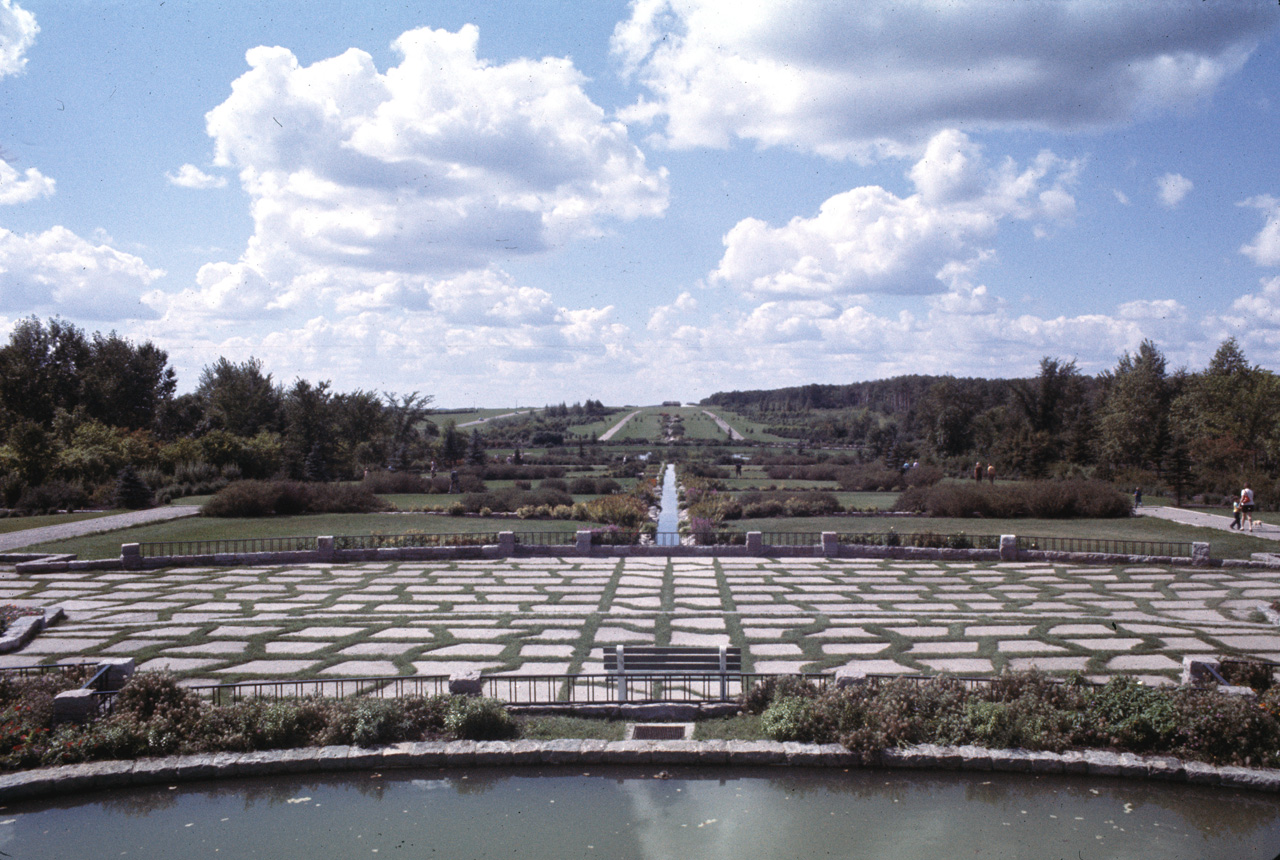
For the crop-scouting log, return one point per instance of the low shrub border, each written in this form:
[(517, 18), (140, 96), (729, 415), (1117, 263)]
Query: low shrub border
[(161, 731)]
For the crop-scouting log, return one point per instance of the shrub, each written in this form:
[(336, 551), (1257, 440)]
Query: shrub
[(479, 719), (283, 498), (765, 691), (1041, 499), (52, 496), (794, 718), (397, 482)]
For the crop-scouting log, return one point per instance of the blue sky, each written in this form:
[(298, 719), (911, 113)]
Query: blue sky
[(511, 202)]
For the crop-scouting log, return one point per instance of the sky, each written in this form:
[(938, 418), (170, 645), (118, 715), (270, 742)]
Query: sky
[(500, 202)]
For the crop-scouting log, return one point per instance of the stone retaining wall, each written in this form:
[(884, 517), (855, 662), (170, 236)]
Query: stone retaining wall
[(829, 547), (95, 776)]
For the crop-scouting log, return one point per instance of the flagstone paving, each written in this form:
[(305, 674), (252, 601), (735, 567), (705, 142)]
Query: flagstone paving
[(542, 616)]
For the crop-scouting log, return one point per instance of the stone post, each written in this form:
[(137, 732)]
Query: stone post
[(466, 683), (830, 544), (119, 670), (506, 544), (74, 706), (1200, 553), (755, 543), (1008, 547), (324, 545), (584, 542), (847, 677), (131, 556)]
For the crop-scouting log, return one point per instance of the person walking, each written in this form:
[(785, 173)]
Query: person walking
[(977, 471), (1235, 513), (991, 473), (1137, 497), (1246, 505)]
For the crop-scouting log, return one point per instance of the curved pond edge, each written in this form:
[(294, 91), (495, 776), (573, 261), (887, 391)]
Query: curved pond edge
[(94, 776)]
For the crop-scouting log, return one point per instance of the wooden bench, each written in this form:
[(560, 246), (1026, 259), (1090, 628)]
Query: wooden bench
[(624, 660)]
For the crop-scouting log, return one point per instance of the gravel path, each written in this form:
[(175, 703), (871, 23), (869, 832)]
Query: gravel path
[(724, 425), (1210, 521), (608, 434), (30, 537), (492, 418)]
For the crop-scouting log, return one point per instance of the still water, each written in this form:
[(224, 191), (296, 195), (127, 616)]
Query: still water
[(669, 515), (628, 813)]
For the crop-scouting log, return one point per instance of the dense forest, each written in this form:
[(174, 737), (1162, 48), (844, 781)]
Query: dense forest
[(1140, 423)]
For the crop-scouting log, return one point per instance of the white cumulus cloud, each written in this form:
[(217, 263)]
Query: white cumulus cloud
[(854, 79), (443, 163), (1171, 188), (22, 187), (18, 30), (58, 272), (869, 240), (1265, 247), (190, 176)]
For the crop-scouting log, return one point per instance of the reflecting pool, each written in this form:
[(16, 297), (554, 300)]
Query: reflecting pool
[(633, 813)]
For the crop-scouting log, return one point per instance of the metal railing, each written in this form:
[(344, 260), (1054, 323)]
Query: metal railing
[(921, 540), (546, 538), (414, 540), (791, 538), (1106, 545), (226, 547), (71, 669), (391, 687)]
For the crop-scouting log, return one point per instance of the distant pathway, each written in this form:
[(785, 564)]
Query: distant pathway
[(30, 537), (1205, 520), (493, 418), (724, 425), (608, 434)]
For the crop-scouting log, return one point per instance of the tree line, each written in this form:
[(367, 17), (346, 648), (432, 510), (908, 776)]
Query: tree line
[(77, 410), (1140, 422)]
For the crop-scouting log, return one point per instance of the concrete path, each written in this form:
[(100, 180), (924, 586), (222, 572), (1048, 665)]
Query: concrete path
[(492, 418), (545, 616), (724, 425), (608, 434), (31, 537), (1206, 520)]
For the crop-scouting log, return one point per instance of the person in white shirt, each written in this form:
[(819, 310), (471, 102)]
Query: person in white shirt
[(1246, 505)]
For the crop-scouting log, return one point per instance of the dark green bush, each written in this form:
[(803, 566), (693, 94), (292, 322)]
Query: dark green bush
[(1040, 499), (770, 688), (284, 498), (479, 719), (52, 496), (795, 718)]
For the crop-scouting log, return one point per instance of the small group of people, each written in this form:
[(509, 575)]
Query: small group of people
[(990, 472), (1243, 507)]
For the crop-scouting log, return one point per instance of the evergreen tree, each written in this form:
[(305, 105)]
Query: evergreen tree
[(131, 492)]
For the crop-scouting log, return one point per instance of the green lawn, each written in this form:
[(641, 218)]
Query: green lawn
[(18, 524), (1223, 544), (201, 528)]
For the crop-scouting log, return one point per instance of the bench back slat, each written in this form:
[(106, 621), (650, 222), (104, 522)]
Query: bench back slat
[(673, 659)]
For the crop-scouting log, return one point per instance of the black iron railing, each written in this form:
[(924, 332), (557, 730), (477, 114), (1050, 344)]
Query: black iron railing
[(413, 540), (167, 549), (921, 540), (1106, 545)]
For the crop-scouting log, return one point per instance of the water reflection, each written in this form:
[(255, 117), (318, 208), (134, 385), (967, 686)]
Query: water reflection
[(669, 516), (626, 813)]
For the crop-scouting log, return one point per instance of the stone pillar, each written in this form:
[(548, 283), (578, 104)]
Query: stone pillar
[(584, 542), (755, 543), (131, 556), (506, 544), (847, 677), (1008, 547), (324, 545), (1200, 553), (830, 544), (119, 670), (74, 706), (1200, 671), (466, 684)]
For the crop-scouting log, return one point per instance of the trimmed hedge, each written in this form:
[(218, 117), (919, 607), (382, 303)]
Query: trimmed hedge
[(283, 498), (1039, 499)]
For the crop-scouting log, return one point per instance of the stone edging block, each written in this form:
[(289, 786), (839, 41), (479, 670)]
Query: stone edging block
[(91, 776), (27, 627)]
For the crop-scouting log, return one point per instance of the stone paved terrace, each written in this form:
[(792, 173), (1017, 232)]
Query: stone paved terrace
[(549, 616)]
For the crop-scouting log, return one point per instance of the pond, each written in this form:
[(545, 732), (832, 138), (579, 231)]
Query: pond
[(633, 813)]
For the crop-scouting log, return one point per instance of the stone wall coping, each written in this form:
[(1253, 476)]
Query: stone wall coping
[(95, 776)]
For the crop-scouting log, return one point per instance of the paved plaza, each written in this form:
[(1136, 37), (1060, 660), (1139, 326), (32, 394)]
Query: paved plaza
[(551, 616)]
